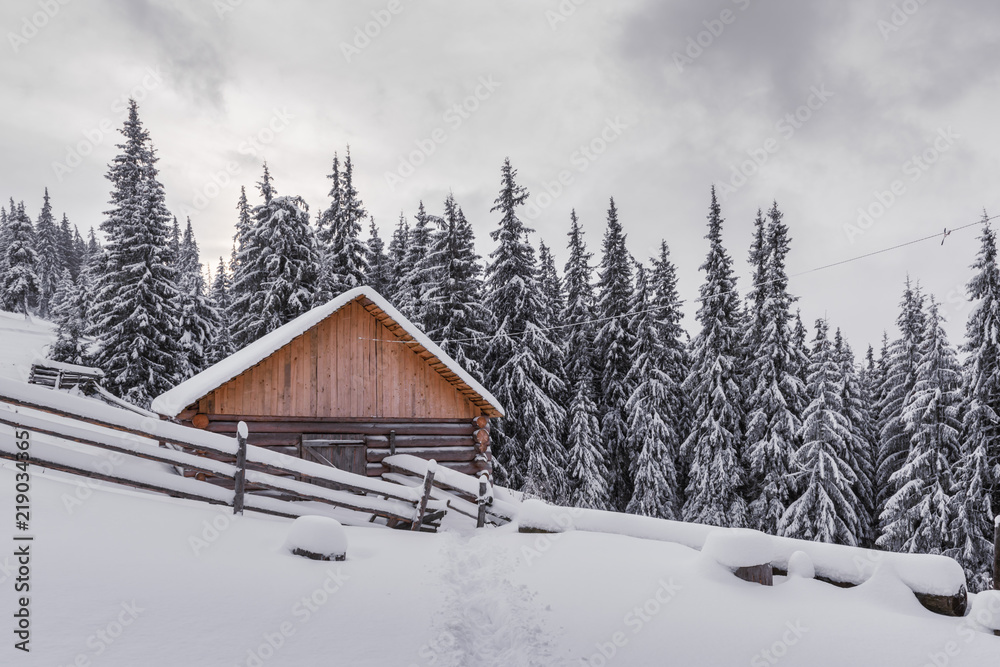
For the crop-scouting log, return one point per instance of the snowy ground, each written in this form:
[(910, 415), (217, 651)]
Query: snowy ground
[(21, 342), (120, 577)]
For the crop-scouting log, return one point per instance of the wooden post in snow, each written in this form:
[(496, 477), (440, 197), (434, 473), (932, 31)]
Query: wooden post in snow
[(241, 467), (996, 555), (428, 483), (483, 486)]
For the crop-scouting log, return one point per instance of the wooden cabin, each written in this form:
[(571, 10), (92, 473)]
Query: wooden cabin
[(346, 384)]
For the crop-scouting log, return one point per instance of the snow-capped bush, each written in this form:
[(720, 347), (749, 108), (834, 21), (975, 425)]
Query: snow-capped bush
[(801, 565)]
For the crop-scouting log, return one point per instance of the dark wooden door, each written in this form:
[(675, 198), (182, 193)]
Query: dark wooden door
[(341, 450)]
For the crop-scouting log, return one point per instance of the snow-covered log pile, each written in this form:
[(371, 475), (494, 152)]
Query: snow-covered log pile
[(936, 580)]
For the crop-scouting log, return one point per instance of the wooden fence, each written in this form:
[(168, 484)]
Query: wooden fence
[(262, 480)]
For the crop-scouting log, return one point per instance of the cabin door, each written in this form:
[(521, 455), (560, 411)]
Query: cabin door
[(341, 450)]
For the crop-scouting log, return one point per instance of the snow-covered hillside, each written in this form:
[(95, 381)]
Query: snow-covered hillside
[(124, 578)]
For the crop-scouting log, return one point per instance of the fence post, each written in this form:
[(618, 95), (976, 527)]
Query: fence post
[(241, 467), (428, 483), (996, 555), (483, 482)]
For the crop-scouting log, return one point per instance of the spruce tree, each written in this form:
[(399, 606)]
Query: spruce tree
[(69, 255), (398, 253), (918, 516), (453, 300), (50, 265), (527, 444), (20, 279), (615, 342), (650, 419), (277, 265), (900, 377), (136, 322), (716, 474), (221, 342), (587, 467), (343, 265), (825, 507), (379, 274), (69, 311), (419, 278), (862, 451), (977, 497), (200, 318), (776, 396)]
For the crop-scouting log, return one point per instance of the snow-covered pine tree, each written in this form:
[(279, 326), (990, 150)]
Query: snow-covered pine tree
[(900, 376), (4, 242), (587, 467), (825, 507), (136, 322), (69, 311), (918, 516), (527, 444), (379, 274), (454, 309), (553, 305), (221, 343), (777, 394), (398, 253), (420, 272), (343, 264), (277, 265), (20, 279), (69, 257), (861, 454), (50, 264), (666, 305), (716, 474), (200, 318), (650, 420), (977, 476), (615, 342)]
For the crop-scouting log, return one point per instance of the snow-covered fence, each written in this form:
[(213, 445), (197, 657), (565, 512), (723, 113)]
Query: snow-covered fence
[(211, 457), (938, 582)]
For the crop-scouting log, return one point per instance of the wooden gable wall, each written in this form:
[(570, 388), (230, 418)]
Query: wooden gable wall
[(344, 367)]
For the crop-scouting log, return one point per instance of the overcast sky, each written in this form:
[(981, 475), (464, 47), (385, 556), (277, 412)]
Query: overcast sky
[(822, 106)]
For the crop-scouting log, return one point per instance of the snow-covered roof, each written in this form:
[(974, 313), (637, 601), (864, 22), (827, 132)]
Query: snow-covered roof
[(172, 402)]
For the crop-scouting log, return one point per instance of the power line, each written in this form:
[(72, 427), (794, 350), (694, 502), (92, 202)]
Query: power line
[(942, 235)]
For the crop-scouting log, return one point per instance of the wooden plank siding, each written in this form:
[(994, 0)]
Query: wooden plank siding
[(343, 367), (357, 372)]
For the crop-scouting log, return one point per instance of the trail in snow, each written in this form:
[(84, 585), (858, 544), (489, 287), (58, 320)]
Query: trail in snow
[(488, 619)]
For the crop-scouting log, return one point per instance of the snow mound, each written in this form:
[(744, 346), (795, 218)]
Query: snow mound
[(801, 565), (986, 610), (739, 547), (317, 537)]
